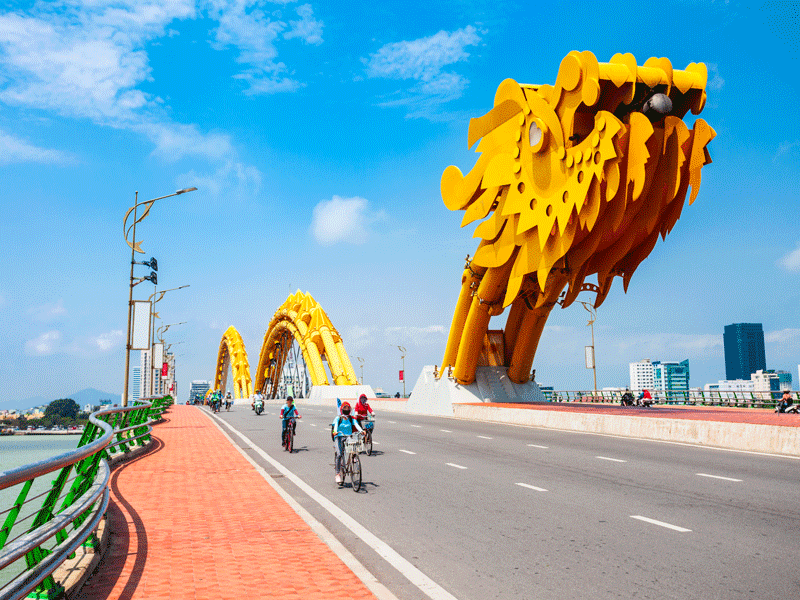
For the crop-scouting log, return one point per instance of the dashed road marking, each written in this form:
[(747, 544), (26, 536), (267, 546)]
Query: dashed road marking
[(718, 477), (455, 465), (483, 437), (406, 451), (661, 524), (532, 487), (445, 431), (392, 422), (416, 425), (538, 446), (611, 459)]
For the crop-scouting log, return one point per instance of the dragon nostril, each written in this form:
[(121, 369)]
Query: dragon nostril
[(657, 106)]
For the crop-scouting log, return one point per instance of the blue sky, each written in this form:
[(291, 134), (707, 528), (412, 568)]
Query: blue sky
[(317, 135)]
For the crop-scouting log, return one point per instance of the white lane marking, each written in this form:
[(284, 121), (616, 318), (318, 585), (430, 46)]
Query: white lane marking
[(445, 431), (538, 446), (424, 583), (392, 422), (313, 424), (455, 465), (718, 477), (416, 425), (380, 590), (532, 487), (611, 459), (483, 437), (406, 451), (376, 443), (661, 523)]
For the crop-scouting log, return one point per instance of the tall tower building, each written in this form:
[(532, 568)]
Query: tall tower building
[(744, 350), (642, 375), (136, 393)]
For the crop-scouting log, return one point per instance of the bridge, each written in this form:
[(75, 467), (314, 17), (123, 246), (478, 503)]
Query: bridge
[(464, 497)]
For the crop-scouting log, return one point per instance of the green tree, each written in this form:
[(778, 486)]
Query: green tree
[(64, 407)]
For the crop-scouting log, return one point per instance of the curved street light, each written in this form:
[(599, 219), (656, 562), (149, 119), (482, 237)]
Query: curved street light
[(136, 247), (593, 312)]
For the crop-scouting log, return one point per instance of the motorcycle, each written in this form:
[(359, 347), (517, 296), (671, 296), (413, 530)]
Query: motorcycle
[(258, 406)]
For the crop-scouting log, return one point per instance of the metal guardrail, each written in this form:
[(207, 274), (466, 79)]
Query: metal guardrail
[(109, 432), (767, 400)]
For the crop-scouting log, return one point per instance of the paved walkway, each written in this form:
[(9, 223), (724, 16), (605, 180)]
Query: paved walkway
[(722, 414), (191, 518)]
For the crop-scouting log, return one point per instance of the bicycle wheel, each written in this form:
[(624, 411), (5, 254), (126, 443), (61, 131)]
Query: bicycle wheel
[(355, 472), (368, 443), (289, 438)]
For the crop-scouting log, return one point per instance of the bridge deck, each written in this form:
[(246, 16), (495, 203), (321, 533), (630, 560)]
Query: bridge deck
[(193, 519)]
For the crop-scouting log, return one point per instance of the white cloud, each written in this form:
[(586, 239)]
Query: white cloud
[(422, 60), (307, 28), (415, 336), (246, 26), (715, 82), (784, 336), (785, 148), (671, 346), (48, 312), (107, 341), (343, 220), (791, 262), (15, 150), (44, 345)]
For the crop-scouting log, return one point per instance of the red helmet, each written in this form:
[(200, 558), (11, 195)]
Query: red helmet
[(345, 406), (362, 398)]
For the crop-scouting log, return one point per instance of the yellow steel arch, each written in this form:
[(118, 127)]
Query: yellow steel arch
[(302, 319), (573, 179), (232, 354)]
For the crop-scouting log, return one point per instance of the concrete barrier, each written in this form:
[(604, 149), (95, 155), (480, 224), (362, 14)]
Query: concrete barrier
[(773, 439)]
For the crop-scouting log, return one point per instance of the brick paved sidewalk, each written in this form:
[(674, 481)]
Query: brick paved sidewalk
[(722, 414), (193, 519)]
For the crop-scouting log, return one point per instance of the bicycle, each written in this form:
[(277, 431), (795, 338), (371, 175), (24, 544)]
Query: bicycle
[(288, 435), (352, 464), (369, 426)]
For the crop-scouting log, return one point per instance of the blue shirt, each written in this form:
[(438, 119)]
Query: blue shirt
[(343, 426), (288, 413)]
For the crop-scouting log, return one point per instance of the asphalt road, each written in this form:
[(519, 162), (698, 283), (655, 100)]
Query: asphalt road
[(496, 511)]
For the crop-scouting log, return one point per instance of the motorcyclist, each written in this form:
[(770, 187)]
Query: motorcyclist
[(785, 402)]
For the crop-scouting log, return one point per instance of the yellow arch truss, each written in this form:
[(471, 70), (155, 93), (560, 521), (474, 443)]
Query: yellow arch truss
[(232, 354), (302, 319)]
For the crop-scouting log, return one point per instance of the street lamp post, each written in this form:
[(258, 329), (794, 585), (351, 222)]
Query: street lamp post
[(153, 369), (153, 317), (593, 312), (361, 360), (403, 358), (135, 247)]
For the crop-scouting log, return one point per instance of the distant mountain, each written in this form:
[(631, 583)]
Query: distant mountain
[(93, 396), (82, 398)]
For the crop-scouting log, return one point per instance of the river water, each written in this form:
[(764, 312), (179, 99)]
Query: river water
[(19, 450)]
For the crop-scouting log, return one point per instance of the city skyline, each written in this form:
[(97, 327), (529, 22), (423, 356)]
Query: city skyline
[(317, 144)]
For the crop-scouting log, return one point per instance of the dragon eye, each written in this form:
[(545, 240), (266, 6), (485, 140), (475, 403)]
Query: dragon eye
[(534, 134)]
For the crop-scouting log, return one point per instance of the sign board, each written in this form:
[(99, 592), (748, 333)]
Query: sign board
[(590, 357), (401, 376), (140, 340), (158, 355), (290, 390), (165, 370)]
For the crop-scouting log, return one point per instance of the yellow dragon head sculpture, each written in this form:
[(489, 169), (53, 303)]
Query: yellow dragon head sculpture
[(579, 178)]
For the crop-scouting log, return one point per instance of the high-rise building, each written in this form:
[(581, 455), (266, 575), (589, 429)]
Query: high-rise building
[(199, 388), (671, 376), (744, 350), (136, 392), (146, 373), (642, 375)]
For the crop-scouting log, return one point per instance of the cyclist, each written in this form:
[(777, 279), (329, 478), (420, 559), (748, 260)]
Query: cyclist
[(288, 411), (228, 401), (343, 426), (363, 408)]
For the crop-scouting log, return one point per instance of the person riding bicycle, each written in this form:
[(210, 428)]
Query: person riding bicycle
[(362, 409), (228, 401), (343, 426), (288, 411)]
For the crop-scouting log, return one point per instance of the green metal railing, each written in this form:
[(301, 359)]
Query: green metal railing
[(74, 502), (767, 400)]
